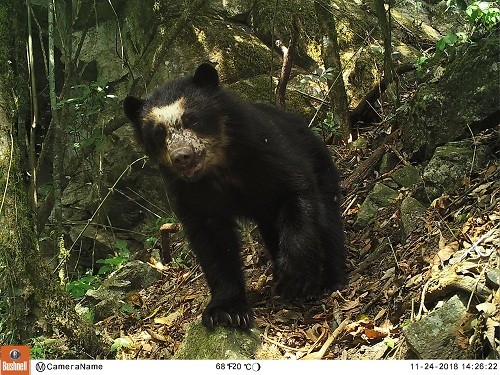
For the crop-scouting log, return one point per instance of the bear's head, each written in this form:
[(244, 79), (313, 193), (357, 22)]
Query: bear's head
[(181, 124)]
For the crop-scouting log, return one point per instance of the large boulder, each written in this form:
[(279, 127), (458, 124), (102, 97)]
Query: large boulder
[(464, 99)]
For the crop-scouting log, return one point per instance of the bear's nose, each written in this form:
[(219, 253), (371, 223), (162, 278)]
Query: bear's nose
[(182, 157)]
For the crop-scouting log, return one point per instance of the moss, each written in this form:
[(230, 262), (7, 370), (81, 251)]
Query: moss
[(221, 343), (444, 108), (407, 177), (5, 44), (237, 53), (261, 89), (381, 196)]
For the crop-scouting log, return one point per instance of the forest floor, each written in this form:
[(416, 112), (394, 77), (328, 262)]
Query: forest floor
[(390, 278)]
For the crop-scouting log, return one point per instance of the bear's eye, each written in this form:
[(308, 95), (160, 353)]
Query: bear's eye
[(189, 120), (159, 133)]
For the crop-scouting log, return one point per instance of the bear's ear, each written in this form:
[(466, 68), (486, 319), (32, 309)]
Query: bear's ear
[(206, 75), (132, 107)]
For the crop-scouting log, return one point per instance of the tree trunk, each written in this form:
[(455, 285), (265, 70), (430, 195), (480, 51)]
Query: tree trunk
[(390, 76), (31, 294), (331, 57)]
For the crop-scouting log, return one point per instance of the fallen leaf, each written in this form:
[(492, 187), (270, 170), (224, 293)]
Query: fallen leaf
[(350, 305), (285, 316), (314, 332), (487, 308), (380, 314), (170, 318), (374, 334), (445, 253)]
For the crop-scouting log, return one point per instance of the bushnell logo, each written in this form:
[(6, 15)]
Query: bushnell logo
[(15, 360)]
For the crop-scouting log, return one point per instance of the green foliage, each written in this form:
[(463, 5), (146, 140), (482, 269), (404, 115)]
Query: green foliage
[(88, 99), (447, 40), (48, 348), (79, 287), (94, 139), (150, 242), (86, 102), (121, 342), (483, 14), (184, 259), (328, 126), (318, 80), (112, 263), (128, 308)]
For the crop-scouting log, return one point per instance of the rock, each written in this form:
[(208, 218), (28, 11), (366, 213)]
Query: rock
[(220, 343), (462, 99), (380, 196), (448, 167), (133, 276), (234, 10), (106, 308), (493, 278), (407, 176), (261, 89), (388, 162), (360, 144), (411, 210), (237, 53), (434, 337), (85, 312), (92, 244)]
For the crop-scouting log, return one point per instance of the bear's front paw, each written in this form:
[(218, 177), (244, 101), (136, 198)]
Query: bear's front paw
[(228, 313)]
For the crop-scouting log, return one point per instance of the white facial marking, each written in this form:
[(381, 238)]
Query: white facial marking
[(169, 114)]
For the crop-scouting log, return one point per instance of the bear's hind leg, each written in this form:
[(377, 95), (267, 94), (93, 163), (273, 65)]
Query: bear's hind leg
[(299, 261), (332, 231)]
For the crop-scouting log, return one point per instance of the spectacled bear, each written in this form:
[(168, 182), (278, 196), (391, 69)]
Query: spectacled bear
[(224, 158)]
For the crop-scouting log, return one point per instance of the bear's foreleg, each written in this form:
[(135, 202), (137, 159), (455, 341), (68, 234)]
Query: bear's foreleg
[(216, 245)]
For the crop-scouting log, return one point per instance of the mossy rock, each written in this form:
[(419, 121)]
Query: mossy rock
[(411, 210), (237, 53), (260, 89), (220, 343), (381, 196), (407, 177), (447, 109), (448, 167)]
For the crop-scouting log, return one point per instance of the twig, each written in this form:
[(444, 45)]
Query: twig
[(89, 221), (8, 169), (481, 239), (320, 353), (364, 168), (422, 301), (286, 68), (369, 259), (277, 343), (398, 154)]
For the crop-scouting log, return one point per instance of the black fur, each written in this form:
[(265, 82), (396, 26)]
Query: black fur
[(276, 172)]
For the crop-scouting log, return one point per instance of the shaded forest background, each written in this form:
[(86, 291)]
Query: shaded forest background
[(406, 94)]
